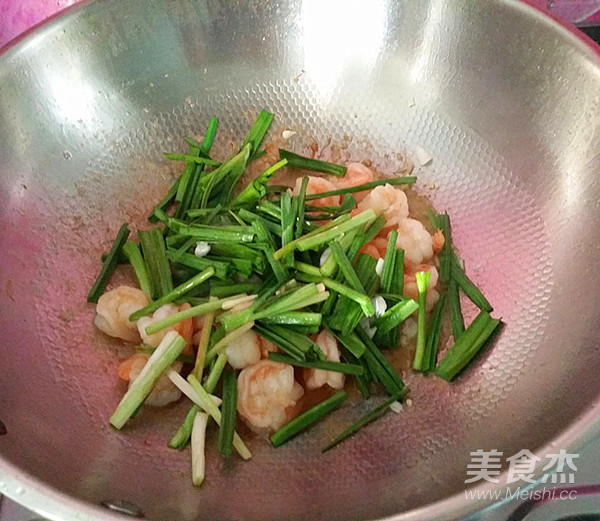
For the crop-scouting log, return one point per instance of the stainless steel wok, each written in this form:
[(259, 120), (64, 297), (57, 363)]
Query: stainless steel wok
[(506, 101)]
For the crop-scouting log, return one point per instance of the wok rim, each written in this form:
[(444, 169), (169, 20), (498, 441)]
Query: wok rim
[(46, 500), (32, 493)]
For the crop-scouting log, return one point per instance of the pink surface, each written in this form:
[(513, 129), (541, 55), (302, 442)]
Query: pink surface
[(595, 18), (16, 16)]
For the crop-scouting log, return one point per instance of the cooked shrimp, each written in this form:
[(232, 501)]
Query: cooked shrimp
[(388, 201), (267, 347), (415, 240), (196, 337), (198, 322), (113, 310), (433, 296), (318, 185), (162, 312), (409, 331), (267, 394), (315, 378), (244, 350), (410, 284), (186, 329), (356, 174), (126, 365), (369, 249), (375, 248), (163, 392), (437, 241)]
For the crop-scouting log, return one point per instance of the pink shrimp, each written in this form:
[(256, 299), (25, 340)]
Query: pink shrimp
[(318, 185), (267, 395), (375, 248), (113, 310), (415, 240), (315, 378), (126, 365), (186, 329), (244, 351), (163, 392), (356, 174), (162, 312), (437, 241), (388, 201), (267, 347), (198, 322)]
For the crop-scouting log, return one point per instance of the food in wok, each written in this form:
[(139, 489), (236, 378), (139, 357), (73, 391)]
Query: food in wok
[(284, 297)]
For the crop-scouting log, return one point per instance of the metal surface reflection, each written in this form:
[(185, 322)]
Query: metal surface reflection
[(355, 39)]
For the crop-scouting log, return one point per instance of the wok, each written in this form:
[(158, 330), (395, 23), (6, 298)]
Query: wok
[(505, 100)]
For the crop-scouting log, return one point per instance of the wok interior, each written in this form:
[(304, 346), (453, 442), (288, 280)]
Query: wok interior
[(503, 100)]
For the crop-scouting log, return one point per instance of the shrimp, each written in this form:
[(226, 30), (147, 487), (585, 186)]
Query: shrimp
[(409, 331), (371, 250), (186, 329), (162, 312), (163, 392), (113, 310), (375, 248), (267, 347), (244, 351), (386, 200), (356, 174), (198, 322), (315, 378), (437, 241), (318, 185), (410, 284), (126, 365), (267, 394), (415, 240), (196, 337)]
